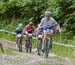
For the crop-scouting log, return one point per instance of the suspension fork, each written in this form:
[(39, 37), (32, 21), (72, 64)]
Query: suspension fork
[(48, 41)]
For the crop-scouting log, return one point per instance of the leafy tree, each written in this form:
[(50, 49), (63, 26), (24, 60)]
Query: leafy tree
[(63, 11)]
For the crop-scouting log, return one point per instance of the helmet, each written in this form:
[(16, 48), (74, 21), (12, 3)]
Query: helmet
[(48, 13), (20, 25), (30, 23), (39, 26)]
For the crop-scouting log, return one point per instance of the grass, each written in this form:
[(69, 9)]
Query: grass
[(7, 36), (63, 51), (7, 51), (44, 64), (62, 38), (34, 43)]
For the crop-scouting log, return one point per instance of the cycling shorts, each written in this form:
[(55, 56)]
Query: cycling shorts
[(19, 35), (48, 29)]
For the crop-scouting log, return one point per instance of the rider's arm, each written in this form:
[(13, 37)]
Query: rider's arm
[(25, 30), (33, 27), (35, 31), (57, 26), (42, 20)]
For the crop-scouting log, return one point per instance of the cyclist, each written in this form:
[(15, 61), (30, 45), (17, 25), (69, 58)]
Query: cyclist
[(29, 28), (48, 23), (28, 31), (19, 31), (38, 31)]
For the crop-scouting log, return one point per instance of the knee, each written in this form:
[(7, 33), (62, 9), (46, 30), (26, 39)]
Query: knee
[(44, 36)]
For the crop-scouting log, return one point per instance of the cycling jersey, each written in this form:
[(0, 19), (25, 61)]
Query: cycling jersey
[(19, 30), (38, 31), (29, 29), (50, 22)]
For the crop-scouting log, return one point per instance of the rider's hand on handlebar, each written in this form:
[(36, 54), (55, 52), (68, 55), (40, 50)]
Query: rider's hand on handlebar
[(58, 30), (26, 32)]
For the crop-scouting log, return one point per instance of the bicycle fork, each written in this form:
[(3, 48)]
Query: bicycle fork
[(47, 46)]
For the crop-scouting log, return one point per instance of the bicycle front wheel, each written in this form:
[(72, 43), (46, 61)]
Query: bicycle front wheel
[(47, 47)]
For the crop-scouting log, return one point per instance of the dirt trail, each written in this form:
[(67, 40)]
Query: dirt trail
[(29, 59)]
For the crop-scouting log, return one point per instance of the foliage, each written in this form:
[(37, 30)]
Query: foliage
[(68, 13), (63, 11), (22, 8), (7, 51)]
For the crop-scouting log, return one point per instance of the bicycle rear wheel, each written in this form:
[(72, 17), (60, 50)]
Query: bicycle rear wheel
[(20, 45)]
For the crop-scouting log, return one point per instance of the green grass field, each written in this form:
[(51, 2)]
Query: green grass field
[(6, 51)]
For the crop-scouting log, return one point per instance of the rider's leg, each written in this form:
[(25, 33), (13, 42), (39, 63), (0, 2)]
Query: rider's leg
[(36, 42), (51, 34), (16, 42), (44, 40), (44, 36), (50, 41), (21, 40), (30, 46)]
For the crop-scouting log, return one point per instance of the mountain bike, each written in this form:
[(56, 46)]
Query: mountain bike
[(19, 42), (28, 44), (39, 47), (48, 43)]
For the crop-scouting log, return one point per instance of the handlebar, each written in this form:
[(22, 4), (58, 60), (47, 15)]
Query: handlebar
[(26, 34)]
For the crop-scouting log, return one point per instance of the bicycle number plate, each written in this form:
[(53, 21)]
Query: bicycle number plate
[(19, 35), (51, 31), (39, 36), (48, 30)]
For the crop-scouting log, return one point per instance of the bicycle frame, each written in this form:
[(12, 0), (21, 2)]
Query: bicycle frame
[(20, 44), (28, 43), (39, 45), (47, 45)]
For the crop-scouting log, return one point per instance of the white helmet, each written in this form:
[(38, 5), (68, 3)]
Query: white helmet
[(39, 26), (20, 25), (48, 13)]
